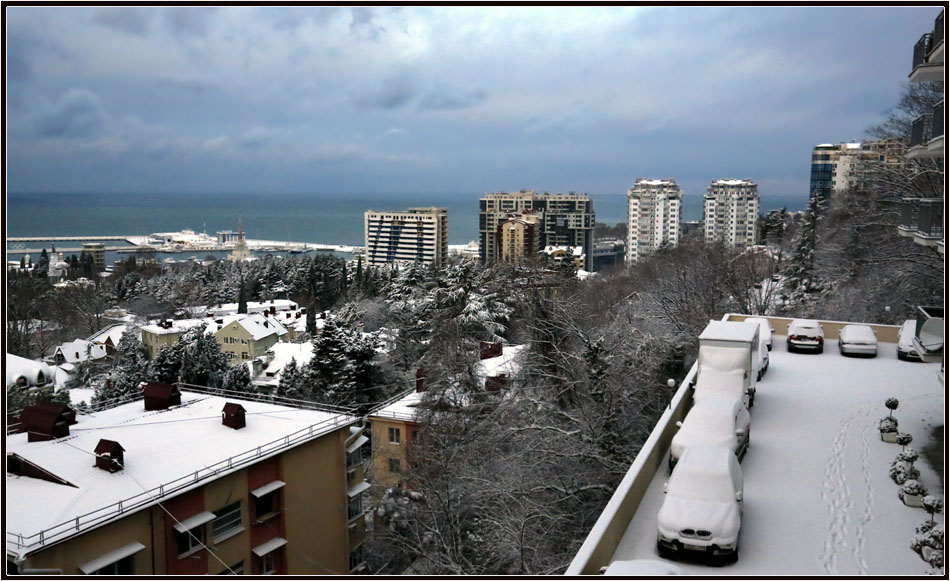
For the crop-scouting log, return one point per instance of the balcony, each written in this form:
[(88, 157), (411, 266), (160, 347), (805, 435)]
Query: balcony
[(935, 145), (929, 222), (928, 54), (920, 135), (910, 208)]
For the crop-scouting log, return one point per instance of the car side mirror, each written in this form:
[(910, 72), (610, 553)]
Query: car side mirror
[(666, 486), (738, 496), (679, 424)]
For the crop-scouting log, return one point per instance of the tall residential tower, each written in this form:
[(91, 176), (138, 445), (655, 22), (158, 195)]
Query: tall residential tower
[(416, 235), (731, 208), (653, 217)]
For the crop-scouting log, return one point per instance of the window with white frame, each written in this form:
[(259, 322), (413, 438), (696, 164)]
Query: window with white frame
[(394, 435), (190, 540)]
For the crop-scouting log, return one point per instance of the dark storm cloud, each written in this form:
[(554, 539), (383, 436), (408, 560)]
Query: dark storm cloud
[(442, 99), (390, 93), (78, 113), (128, 19)]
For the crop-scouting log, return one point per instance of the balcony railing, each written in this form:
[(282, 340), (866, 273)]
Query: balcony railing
[(920, 130), (936, 124), (910, 208), (930, 219), (921, 49), (938, 30)]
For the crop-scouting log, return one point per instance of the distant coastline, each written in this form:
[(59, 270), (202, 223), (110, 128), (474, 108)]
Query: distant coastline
[(316, 218)]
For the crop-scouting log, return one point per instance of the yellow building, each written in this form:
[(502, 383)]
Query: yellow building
[(244, 337), (213, 485), (394, 427), (518, 238)]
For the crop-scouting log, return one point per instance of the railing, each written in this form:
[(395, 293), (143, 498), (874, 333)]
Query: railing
[(101, 515), (909, 213), (936, 124), (921, 49), (938, 30), (920, 130), (930, 218)]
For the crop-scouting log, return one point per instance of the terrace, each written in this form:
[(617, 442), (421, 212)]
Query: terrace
[(818, 499)]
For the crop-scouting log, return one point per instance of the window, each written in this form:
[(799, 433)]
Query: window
[(394, 465), (227, 522), (190, 540), (355, 507), (269, 563), (120, 567), (266, 501), (356, 558), (244, 355), (236, 569), (394, 435)]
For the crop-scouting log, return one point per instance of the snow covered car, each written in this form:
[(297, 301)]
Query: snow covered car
[(642, 568), (857, 340), (905, 342), (805, 335), (702, 510), (765, 330), (718, 420)]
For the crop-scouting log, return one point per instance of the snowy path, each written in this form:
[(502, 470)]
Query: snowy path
[(818, 499)]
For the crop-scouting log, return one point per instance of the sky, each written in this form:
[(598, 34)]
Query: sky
[(454, 100)]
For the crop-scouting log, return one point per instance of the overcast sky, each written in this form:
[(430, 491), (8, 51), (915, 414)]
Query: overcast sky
[(441, 99)]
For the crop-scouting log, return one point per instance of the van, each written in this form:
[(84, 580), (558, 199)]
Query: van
[(701, 513), (730, 356)]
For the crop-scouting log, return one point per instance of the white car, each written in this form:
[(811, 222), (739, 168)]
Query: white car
[(718, 420), (905, 342), (805, 334), (702, 510), (642, 568), (765, 330), (857, 340)]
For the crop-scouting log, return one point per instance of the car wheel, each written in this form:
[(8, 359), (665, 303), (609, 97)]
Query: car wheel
[(821, 349), (663, 552), (732, 557), (791, 348), (901, 356)]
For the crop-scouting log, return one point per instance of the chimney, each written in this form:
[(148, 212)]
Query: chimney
[(487, 350), (496, 383), (161, 396), (273, 310), (47, 421), (109, 456), (420, 380), (232, 416)]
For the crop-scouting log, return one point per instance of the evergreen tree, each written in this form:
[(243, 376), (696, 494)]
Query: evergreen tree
[(802, 281), (311, 321), (343, 370), (242, 298), (130, 368), (202, 361), (237, 378)]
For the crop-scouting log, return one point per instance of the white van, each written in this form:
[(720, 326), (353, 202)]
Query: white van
[(729, 356), (702, 510), (765, 330)]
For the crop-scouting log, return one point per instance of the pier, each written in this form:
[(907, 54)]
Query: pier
[(64, 238)]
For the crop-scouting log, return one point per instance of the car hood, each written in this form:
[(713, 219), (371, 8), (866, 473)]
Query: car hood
[(721, 518)]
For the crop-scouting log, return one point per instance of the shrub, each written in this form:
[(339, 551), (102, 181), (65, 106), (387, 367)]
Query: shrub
[(911, 487), (901, 472), (887, 424), (909, 455), (904, 439), (933, 505), (891, 403), (928, 537)]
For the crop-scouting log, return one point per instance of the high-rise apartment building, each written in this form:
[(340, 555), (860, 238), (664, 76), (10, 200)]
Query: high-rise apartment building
[(416, 235), (850, 166), (730, 209), (519, 238), (565, 220), (653, 216)]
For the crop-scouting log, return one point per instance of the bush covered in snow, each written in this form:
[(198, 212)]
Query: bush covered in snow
[(887, 424), (904, 439), (891, 403), (911, 487), (901, 472), (933, 505), (909, 455), (928, 542)]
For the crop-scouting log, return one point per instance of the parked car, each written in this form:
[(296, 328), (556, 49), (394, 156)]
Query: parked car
[(857, 340), (702, 510), (905, 342), (765, 330), (718, 420), (805, 335), (642, 568)]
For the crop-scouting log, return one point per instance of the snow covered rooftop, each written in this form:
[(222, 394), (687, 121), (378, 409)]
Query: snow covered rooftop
[(113, 332), (178, 326), (80, 350), (402, 408), (733, 182), (817, 496), (507, 364), (256, 324), (301, 353), (30, 370), (155, 466), (669, 182), (252, 307)]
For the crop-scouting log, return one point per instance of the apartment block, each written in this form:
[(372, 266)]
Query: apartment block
[(518, 238), (850, 166), (653, 216), (730, 210), (416, 235), (189, 484), (565, 219)]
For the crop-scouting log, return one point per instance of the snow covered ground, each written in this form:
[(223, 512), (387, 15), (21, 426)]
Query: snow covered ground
[(818, 499)]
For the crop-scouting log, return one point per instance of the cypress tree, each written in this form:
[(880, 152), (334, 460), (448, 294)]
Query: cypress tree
[(242, 299)]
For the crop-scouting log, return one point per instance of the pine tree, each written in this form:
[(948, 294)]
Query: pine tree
[(802, 282), (237, 378), (202, 361), (242, 298)]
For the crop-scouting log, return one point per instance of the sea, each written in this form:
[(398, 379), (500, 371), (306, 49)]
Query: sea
[(316, 218)]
